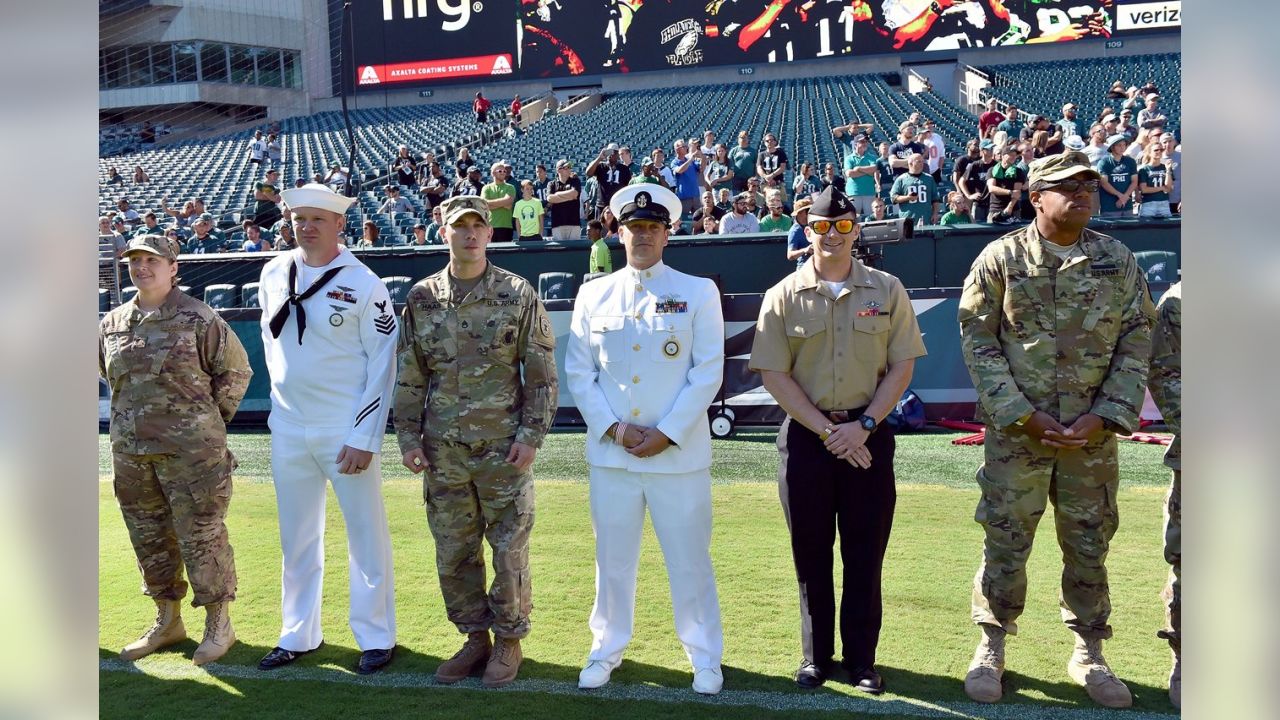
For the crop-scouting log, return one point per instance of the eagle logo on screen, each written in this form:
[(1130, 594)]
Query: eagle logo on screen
[(687, 43), (686, 51)]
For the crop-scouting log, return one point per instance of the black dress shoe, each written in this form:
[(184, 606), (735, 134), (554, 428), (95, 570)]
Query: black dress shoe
[(867, 680), (811, 675), (279, 657), (371, 661)]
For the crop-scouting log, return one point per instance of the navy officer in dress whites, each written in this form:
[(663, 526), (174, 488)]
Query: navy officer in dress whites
[(836, 344), (644, 361)]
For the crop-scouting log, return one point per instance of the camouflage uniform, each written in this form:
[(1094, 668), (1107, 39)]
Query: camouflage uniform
[(460, 397), (1067, 338), (176, 377), (1166, 390)]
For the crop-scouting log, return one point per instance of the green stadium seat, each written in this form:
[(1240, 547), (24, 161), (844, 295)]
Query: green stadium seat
[(221, 296), (127, 294), (557, 286), (104, 299), (249, 295), (398, 286), (1158, 265)]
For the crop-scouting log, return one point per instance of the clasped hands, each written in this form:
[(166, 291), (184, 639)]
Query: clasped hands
[(848, 441), (1051, 433), (643, 442)]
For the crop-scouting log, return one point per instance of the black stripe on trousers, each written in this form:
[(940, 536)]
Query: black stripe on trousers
[(821, 493)]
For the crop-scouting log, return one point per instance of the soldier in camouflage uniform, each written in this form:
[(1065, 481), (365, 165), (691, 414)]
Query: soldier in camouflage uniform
[(177, 374), (1055, 324), (1166, 390), (465, 415)]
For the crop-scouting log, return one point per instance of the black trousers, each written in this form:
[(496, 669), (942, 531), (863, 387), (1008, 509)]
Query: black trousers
[(503, 234), (821, 493)]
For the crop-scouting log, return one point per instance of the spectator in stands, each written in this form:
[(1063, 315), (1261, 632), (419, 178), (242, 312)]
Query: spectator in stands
[(1139, 144), (1173, 152), (775, 221), (149, 225), (336, 178), (562, 196), (649, 173), (463, 163), (266, 196), (719, 171), (130, 216), (182, 217), (254, 241), (114, 177), (257, 149), (469, 184), (1012, 123), (404, 168), (962, 162), (434, 186), (974, 182), (515, 108), (480, 106), (1155, 182), (830, 176), (678, 227), (527, 214), (805, 183), (884, 178), (708, 208), (1005, 185), (708, 226), (501, 197), (174, 234), (395, 202), (283, 232), (844, 135), (433, 228), (599, 259), (879, 211), (990, 120), (204, 239), (610, 175), (1119, 179), (610, 223), (626, 157), (798, 246), (419, 234), (743, 159), (937, 151), (659, 157), (861, 174), (916, 193), (741, 220), (108, 234), (724, 200), (1026, 154), (140, 176), (540, 182), (275, 153), (1096, 149), (695, 149), (957, 209), (686, 166), (1132, 99), (1126, 126), (901, 151), (1117, 91), (370, 236), (118, 226), (757, 199), (1070, 126), (771, 165)]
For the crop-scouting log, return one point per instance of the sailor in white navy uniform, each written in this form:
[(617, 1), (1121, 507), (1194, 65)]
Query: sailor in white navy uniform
[(329, 335), (644, 361)]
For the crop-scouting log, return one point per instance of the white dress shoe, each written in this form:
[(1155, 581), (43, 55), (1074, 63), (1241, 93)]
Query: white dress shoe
[(595, 674), (708, 680)]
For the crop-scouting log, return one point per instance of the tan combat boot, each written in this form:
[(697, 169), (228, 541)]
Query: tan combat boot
[(1089, 668), (473, 655), (167, 630), (218, 634), (503, 664), (987, 668), (1175, 679)]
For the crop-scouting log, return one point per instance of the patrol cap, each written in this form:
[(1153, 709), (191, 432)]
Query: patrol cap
[(160, 245), (830, 203), (454, 208), (315, 195), (1118, 137), (645, 201), (1052, 168)]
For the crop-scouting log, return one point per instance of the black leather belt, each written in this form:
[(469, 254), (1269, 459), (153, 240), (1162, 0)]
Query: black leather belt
[(844, 416)]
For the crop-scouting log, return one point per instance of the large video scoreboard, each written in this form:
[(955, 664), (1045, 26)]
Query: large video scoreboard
[(401, 43)]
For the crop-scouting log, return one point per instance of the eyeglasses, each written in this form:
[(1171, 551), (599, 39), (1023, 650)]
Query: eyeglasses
[(822, 227), (1071, 187)]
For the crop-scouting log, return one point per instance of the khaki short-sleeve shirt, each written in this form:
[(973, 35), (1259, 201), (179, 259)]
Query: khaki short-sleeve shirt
[(837, 348)]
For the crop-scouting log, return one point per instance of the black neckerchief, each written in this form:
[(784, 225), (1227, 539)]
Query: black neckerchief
[(278, 320)]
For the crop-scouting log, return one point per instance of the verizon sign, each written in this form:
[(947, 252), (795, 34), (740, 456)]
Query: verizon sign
[(1149, 15)]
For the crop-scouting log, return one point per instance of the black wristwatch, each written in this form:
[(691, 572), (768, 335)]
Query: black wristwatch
[(868, 423)]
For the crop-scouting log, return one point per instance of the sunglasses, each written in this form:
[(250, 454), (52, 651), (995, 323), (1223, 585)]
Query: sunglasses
[(822, 227), (1071, 187)]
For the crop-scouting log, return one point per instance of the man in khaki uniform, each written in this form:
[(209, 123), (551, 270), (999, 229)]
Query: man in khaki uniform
[(1166, 390), (465, 415), (177, 374), (836, 344), (1055, 326)]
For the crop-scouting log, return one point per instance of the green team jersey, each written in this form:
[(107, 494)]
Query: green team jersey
[(743, 161), (526, 214), (651, 179), (769, 223), (499, 217), (600, 260), (926, 191), (1153, 175), (1119, 173), (953, 218)]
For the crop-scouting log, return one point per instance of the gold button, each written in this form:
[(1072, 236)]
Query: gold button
[(636, 347), (635, 379), (635, 413), (639, 315), (639, 287), (648, 274)]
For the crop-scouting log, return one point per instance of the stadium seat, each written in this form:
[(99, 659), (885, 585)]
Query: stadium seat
[(1158, 265), (398, 286), (588, 277), (220, 296), (249, 295), (104, 299), (127, 294), (557, 286)]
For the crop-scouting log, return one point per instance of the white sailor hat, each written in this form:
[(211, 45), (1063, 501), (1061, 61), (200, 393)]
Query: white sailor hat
[(315, 195), (645, 201)]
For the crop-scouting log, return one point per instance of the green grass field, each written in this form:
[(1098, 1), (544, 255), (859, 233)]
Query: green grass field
[(924, 650)]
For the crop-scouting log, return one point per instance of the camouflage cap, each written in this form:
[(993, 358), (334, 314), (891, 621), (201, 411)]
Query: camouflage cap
[(165, 247), (455, 207), (1052, 168)]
